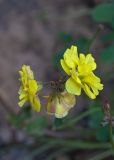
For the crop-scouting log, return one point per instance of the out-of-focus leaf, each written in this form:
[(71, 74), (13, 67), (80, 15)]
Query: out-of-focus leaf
[(103, 134), (58, 122), (109, 37), (104, 13), (95, 123), (80, 43), (108, 54), (65, 37), (36, 126), (96, 119), (18, 120), (57, 57), (112, 22)]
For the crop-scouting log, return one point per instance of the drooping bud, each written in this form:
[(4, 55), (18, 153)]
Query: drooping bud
[(60, 104)]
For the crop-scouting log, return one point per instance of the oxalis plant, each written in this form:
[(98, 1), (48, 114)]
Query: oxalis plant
[(79, 69)]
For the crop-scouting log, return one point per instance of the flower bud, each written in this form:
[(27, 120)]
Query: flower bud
[(60, 104)]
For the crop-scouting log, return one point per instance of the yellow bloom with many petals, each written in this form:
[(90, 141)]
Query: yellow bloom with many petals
[(80, 69), (29, 88), (60, 104)]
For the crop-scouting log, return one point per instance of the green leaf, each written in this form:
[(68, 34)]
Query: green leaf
[(57, 57), (65, 37), (108, 54), (96, 120), (18, 120), (36, 126), (103, 12), (109, 37), (80, 43), (112, 22), (58, 122), (103, 134)]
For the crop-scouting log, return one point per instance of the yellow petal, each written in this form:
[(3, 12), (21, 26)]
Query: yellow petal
[(67, 58), (60, 111), (29, 72), (33, 86), (21, 73), (89, 92), (90, 60), (50, 106), (24, 69), (74, 54), (40, 86), (82, 58), (73, 87), (65, 67), (22, 102), (93, 81), (83, 69), (23, 95), (75, 76), (95, 90), (68, 100), (35, 103)]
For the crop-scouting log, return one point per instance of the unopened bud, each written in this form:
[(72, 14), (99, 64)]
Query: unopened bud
[(60, 104)]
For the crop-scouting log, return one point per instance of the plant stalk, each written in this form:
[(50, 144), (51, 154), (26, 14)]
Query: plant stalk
[(100, 27), (111, 134)]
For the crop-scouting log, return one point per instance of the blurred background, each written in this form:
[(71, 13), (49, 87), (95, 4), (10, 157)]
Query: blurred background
[(36, 33)]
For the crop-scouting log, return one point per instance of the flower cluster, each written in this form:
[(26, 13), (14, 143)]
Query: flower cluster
[(79, 69), (29, 88)]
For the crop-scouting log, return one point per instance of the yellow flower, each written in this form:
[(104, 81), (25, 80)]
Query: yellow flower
[(28, 89), (80, 69), (60, 104)]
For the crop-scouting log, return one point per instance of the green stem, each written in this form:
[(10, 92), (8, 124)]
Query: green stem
[(93, 38), (111, 134), (77, 119), (56, 153), (76, 144), (38, 151), (102, 155)]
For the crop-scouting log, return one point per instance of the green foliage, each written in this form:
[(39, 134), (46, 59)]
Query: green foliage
[(109, 37), (25, 121), (65, 37), (18, 120), (101, 133), (58, 122), (68, 40), (107, 54), (36, 126), (104, 13), (57, 57), (82, 44)]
